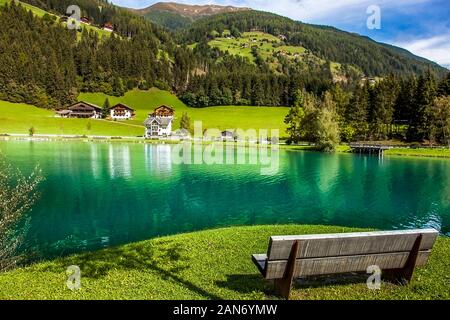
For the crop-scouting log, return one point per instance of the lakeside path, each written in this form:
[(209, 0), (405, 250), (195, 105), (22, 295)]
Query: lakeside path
[(401, 151)]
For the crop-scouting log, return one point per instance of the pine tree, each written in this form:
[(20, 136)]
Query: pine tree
[(439, 126), (425, 94), (383, 97), (444, 86), (356, 113), (105, 108)]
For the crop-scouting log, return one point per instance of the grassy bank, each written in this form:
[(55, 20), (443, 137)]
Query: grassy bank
[(211, 264), (438, 153)]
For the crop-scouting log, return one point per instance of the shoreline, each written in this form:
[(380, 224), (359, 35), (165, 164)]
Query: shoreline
[(401, 151)]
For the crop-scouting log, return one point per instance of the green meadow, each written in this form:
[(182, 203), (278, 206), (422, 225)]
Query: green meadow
[(268, 46), (19, 118), (224, 117), (271, 48), (212, 264)]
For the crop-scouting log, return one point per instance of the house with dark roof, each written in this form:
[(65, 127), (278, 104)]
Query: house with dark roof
[(121, 112), (108, 27), (81, 109), (159, 123)]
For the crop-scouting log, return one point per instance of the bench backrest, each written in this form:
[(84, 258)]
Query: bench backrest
[(322, 254)]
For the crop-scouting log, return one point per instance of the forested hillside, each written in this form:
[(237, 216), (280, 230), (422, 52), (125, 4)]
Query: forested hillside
[(167, 19), (177, 16), (216, 61), (44, 63), (327, 43)]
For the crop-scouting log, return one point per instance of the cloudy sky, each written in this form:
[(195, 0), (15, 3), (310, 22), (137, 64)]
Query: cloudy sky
[(421, 26)]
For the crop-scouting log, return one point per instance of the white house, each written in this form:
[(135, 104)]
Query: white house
[(159, 123), (121, 112)]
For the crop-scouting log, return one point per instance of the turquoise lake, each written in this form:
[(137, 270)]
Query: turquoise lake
[(99, 194)]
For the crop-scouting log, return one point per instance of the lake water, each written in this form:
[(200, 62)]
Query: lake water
[(102, 194)]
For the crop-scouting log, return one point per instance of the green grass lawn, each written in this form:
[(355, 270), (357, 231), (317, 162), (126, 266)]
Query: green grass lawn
[(19, 117), (212, 264), (224, 117), (419, 152)]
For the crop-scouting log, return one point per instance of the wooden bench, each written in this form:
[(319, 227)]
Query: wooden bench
[(396, 253)]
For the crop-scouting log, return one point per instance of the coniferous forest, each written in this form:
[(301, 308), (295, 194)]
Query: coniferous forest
[(44, 63)]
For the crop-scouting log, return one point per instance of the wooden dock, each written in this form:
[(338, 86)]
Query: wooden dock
[(369, 148)]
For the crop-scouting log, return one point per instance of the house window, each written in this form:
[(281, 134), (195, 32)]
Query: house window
[(154, 128)]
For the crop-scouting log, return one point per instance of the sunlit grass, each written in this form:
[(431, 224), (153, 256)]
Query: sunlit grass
[(19, 118), (223, 117), (213, 264)]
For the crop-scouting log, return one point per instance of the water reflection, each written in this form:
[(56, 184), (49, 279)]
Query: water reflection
[(97, 194), (95, 159), (158, 158), (119, 160)]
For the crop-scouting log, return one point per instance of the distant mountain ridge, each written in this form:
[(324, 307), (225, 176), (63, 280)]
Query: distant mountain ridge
[(191, 11)]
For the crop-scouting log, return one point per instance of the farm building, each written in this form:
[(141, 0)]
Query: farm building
[(108, 27), (159, 123), (81, 109), (121, 112)]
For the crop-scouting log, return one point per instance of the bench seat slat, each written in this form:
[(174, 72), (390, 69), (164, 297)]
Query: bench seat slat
[(348, 244), (341, 264)]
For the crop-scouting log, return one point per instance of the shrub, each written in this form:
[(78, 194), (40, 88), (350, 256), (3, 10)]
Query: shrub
[(17, 195)]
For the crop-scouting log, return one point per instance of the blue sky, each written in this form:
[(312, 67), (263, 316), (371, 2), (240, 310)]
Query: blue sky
[(421, 26)]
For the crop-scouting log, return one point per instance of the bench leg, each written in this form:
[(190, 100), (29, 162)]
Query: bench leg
[(283, 285), (404, 275)]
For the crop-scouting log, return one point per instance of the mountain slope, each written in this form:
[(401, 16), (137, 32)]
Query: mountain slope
[(176, 15), (327, 43), (193, 11)]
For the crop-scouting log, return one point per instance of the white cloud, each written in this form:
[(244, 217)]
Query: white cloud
[(435, 48)]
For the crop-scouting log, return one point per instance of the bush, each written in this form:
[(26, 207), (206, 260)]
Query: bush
[(17, 195), (162, 85)]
